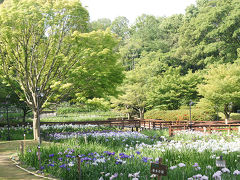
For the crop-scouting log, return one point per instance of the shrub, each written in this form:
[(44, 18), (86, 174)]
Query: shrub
[(181, 114), (235, 116)]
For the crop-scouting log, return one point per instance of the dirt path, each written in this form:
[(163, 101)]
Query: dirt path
[(8, 169)]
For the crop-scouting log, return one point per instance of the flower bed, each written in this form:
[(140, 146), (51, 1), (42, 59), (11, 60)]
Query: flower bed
[(17, 133), (127, 155)]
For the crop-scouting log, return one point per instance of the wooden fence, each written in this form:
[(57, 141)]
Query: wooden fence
[(173, 126)]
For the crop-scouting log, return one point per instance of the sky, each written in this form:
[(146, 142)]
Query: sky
[(131, 9)]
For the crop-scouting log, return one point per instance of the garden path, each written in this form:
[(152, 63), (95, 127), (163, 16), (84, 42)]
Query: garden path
[(8, 170)]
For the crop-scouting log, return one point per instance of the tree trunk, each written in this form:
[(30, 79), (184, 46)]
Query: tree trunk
[(36, 125), (141, 113), (129, 116), (227, 115)]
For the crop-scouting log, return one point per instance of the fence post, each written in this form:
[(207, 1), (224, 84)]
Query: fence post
[(39, 157), (229, 129), (204, 129), (170, 131), (21, 148), (24, 145), (139, 125), (149, 124), (210, 129)]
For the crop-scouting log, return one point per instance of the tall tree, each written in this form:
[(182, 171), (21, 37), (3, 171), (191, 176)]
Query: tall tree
[(100, 24), (99, 69), (146, 28), (222, 86), (170, 90), (120, 26), (133, 97), (40, 43), (212, 35)]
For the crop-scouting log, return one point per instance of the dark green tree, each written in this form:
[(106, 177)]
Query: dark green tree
[(211, 35)]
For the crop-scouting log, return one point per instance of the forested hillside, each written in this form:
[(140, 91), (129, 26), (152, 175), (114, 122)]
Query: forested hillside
[(169, 61)]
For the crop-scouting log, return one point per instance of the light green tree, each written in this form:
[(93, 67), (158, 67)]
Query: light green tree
[(100, 24), (170, 90), (42, 43), (133, 97), (120, 26), (221, 87)]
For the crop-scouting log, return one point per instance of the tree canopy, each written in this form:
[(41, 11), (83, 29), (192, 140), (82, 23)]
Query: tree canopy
[(212, 35), (52, 45), (222, 86), (45, 45)]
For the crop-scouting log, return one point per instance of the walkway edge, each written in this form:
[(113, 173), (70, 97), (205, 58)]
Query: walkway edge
[(16, 163)]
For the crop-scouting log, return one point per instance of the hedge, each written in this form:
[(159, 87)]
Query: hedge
[(181, 114)]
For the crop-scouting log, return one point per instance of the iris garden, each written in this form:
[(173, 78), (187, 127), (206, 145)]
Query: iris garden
[(111, 153)]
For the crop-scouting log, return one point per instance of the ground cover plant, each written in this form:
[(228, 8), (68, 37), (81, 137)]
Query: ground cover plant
[(127, 155)]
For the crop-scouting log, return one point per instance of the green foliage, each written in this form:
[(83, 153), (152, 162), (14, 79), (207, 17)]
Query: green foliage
[(197, 114), (37, 46), (146, 29), (100, 24), (44, 45), (120, 26), (211, 34), (235, 116), (221, 86), (170, 90), (134, 89), (99, 70), (166, 90)]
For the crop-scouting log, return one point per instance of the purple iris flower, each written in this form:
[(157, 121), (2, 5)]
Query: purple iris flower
[(124, 156), (109, 153), (86, 159), (138, 152), (63, 166), (195, 165), (144, 159), (82, 155), (51, 165)]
